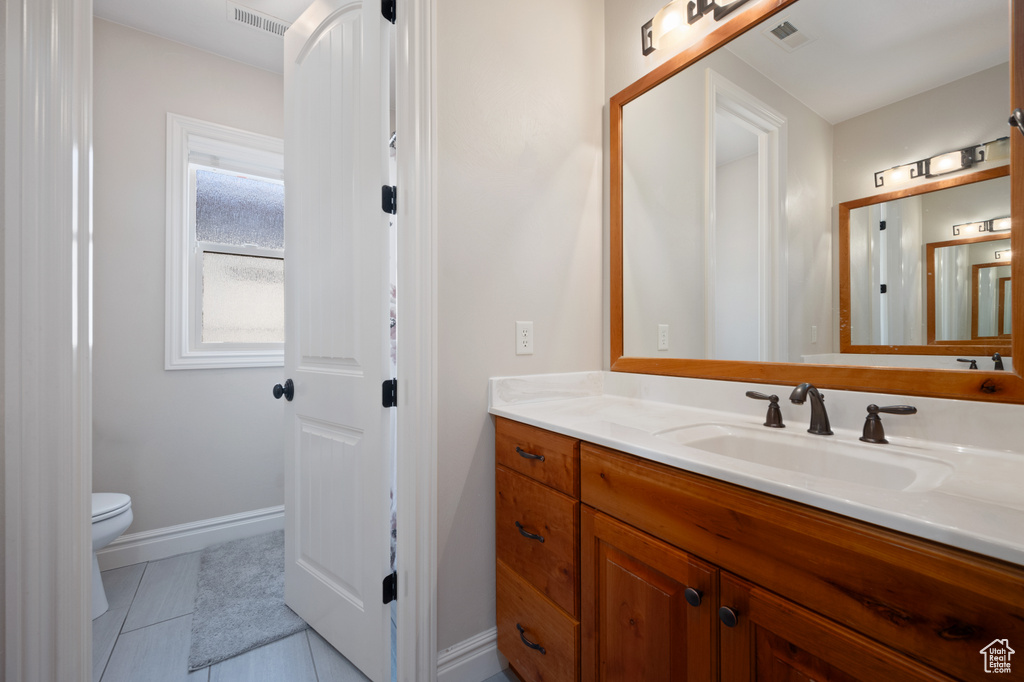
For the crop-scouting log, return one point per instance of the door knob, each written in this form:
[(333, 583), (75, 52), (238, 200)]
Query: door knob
[(288, 390), (693, 597), (727, 616)]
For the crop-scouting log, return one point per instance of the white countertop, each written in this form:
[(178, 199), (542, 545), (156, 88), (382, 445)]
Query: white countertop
[(978, 505)]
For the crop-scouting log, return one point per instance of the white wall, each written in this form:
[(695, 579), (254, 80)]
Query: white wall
[(519, 188), (3, 315), (186, 445)]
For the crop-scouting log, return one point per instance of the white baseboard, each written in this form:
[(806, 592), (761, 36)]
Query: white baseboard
[(472, 660), (151, 545)]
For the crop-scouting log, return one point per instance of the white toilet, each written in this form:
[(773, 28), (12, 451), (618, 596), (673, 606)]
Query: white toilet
[(111, 516)]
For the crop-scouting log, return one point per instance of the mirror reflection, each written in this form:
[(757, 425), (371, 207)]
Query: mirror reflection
[(731, 169), (991, 285), (922, 268)]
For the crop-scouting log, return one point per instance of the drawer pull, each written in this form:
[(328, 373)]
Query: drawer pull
[(693, 597), (528, 455), (522, 636), (727, 616), (526, 534)]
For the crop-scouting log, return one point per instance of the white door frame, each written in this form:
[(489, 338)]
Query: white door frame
[(417, 343), (47, 348), (47, 205)]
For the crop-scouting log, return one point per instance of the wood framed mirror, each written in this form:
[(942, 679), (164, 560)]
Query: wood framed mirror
[(932, 263), (797, 265)]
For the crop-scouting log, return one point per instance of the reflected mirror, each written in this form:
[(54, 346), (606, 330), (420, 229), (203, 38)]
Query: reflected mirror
[(731, 160), (730, 166), (919, 272)]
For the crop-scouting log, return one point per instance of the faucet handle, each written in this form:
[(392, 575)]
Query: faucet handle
[(774, 416), (999, 361), (974, 363), (873, 431)]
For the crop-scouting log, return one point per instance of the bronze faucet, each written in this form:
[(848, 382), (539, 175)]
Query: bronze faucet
[(819, 418)]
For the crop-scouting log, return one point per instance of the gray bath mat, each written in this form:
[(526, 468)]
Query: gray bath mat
[(240, 600)]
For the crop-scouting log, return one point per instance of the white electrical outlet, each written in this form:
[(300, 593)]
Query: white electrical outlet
[(662, 337), (524, 338), (814, 334)]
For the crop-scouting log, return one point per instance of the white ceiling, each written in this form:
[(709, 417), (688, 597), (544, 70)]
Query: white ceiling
[(870, 53), (204, 24)]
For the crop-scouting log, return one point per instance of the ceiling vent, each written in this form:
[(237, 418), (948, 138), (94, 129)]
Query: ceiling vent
[(264, 23), (787, 36)]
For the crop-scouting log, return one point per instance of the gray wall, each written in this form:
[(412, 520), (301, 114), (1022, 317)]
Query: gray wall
[(186, 445), (519, 101)]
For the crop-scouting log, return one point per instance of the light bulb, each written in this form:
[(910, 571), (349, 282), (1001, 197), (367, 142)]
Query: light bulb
[(1001, 224), (669, 24)]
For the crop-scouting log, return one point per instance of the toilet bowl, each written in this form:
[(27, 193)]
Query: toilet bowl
[(111, 516)]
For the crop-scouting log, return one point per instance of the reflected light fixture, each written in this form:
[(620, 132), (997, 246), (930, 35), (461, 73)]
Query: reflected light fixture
[(993, 225), (1003, 255), (999, 224), (947, 162)]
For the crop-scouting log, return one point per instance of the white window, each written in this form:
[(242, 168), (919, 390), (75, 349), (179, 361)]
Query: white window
[(225, 247)]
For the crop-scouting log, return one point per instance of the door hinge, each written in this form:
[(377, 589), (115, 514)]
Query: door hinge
[(881, 225), (389, 393), (387, 8), (390, 587), (885, 289), (389, 199)]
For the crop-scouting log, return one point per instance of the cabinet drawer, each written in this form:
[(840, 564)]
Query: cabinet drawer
[(551, 458), (548, 561), (543, 625)]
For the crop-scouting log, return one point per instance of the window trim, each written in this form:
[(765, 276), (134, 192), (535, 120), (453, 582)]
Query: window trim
[(192, 141)]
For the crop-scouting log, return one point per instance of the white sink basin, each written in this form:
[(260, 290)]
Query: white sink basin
[(879, 466)]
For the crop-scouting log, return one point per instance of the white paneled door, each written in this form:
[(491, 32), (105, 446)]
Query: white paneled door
[(337, 472)]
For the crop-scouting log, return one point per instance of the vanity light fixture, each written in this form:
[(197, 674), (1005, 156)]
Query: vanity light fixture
[(993, 225), (947, 162), (667, 27), (670, 23), (999, 224), (1003, 255), (897, 175)]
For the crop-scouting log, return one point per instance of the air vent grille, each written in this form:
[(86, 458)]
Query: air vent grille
[(784, 30), (787, 36), (264, 23)]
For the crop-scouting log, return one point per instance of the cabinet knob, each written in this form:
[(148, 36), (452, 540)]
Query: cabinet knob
[(727, 616), (692, 596)]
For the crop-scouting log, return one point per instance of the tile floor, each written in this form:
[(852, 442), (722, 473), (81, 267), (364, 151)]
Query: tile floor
[(147, 633)]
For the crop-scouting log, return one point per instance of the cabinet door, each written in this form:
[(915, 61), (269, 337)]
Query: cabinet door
[(769, 639), (636, 620)]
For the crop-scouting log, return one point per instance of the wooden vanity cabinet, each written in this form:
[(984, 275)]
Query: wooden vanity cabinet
[(676, 576), (537, 544), (816, 596)]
